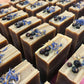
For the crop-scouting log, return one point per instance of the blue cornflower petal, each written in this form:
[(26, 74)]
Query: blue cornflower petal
[(5, 49)]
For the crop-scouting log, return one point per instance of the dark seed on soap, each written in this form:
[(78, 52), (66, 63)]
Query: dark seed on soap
[(47, 48), (31, 37), (69, 64), (42, 51), (33, 33), (46, 53), (4, 18), (55, 19), (77, 63), (28, 35), (21, 3), (78, 27), (59, 18), (12, 0), (73, 24), (75, 70)]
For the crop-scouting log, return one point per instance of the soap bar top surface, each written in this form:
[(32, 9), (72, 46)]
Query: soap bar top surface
[(57, 44)]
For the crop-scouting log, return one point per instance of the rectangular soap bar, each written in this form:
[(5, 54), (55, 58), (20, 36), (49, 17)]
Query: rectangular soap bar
[(20, 27), (65, 4), (8, 20), (9, 57), (61, 21), (51, 56), (76, 32), (23, 73), (52, 2), (72, 72), (6, 11), (35, 38), (48, 13), (14, 2), (3, 41), (4, 5), (36, 7), (23, 4), (77, 9)]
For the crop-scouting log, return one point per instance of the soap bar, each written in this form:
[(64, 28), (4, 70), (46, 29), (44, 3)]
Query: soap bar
[(9, 57), (3, 41), (23, 73), (65, 4), (76, 32), (4, 5), (35, 38), (22, 5), (77, 9), (20, 27), (48, 13), (52, 2), (36, 7), (14, 2), (72, 72), (8, 20), (46, 82), (61, 21), (51, 56), (6, 11)]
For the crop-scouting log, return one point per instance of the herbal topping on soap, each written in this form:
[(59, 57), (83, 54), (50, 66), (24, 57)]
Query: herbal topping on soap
[(10, 78), (78, 23), (24, 2), (77, 64), (50, 9), (1, 55), (51, 47), (10, 16), (36, 33), (22, 23), (62, 1)]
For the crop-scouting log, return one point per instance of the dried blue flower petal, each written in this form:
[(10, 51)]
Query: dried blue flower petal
[(63, 18)]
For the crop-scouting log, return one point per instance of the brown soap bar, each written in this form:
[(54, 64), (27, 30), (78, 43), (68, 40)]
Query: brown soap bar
[(61, 21), (52, 2), (77, 9), (22, 5), (17, 29), (3, 41), (8, 20), (46, 82), (76, 32), (65, 4), (14, 2), (4, 5), (48, 13), (52, 55), (6, 11), (9, 57), (35, 38), (72, 72), (24, 73), (36, 7)]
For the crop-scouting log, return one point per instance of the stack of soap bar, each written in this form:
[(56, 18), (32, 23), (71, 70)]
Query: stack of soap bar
[(52, 2), (52, 55), (9, 57), (20, 27), (72, 72), (62, 21), (3, 41), (4, 5), (76, 32), (23, 73), (8, 20), (14, 2), (46, 82), (48, 13), (6, 11), (65, 4), (22, 5), (34, 39), (77, 9), (36, 7)]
